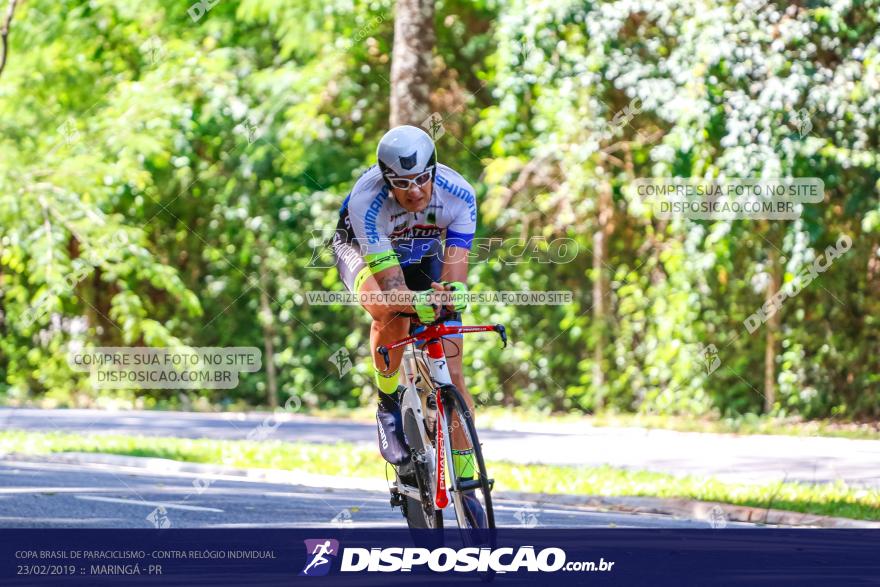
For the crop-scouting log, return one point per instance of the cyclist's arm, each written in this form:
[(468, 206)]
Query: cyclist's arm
[(460, 233), (386, 270), (392, 280), (370, 229)]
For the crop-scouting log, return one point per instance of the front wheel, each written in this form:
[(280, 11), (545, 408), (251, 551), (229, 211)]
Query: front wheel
[(480, 487), (420, 514)]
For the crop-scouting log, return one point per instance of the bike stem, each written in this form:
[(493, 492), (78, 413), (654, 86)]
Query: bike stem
[(433, 334)]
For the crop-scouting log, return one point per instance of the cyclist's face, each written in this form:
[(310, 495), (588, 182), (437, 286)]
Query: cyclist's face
[(415, 198)]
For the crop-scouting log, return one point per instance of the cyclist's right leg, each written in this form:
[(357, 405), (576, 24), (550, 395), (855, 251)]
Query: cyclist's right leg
[(387, 327)]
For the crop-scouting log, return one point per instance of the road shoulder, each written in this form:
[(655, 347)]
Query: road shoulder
[(716, 514)]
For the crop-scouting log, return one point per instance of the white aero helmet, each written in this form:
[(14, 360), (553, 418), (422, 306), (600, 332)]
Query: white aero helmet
[(406, 150)]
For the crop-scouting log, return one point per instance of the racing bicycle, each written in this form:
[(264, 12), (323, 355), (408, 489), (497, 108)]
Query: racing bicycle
[(431, 407)]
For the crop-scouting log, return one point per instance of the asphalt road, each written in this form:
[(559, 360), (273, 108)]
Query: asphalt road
[(56, 495), (755, 458)]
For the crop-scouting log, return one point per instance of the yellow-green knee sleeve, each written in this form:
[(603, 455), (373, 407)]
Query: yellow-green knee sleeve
[(387, 383)]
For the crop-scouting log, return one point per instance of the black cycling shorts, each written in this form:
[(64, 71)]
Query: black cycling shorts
[(353, 268)]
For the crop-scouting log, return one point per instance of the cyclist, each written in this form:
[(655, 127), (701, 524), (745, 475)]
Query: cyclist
[(407, 227)]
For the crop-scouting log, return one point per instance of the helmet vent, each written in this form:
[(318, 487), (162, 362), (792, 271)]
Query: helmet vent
[(409, 161)]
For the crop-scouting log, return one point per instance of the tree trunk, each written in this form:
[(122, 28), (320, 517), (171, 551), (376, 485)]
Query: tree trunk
[(4, 34), (414, 39), (604, 214), (268, 322), (772, 336)]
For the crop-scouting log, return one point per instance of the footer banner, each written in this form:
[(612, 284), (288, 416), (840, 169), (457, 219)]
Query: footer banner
[(334, 556)]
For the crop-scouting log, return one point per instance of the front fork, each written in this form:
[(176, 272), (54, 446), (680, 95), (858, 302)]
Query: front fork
[(440, 375), (437, 364)]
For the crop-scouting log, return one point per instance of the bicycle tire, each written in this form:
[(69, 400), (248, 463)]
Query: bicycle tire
[(418, 516), (485, 487)]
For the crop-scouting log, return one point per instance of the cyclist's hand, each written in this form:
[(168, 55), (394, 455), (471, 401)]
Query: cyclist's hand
[(424, 306), (459, 297)]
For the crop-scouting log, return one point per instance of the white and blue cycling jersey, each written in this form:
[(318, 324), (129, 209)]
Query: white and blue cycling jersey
[(376, 223)]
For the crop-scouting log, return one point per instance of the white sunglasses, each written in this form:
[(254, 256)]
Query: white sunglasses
[(403, 183)]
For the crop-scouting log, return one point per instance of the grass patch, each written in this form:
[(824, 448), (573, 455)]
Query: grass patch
[(503, 417), (350, 460), (747, 424)]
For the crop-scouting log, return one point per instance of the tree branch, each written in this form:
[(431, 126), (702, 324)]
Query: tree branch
[(4, 34)]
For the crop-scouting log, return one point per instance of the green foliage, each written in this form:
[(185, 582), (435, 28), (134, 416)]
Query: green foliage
[(719, 90), (166, 180)]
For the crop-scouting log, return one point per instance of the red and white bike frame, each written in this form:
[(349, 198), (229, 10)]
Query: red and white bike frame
[(440, 460)]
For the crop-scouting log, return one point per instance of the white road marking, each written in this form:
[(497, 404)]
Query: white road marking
[(48, 489), (168, 506)]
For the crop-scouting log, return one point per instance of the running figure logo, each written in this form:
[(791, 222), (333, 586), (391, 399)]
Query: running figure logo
[(319, 555)]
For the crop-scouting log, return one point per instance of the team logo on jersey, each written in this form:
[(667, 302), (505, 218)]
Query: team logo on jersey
[(423, 231), (409, 161), (383, 260)]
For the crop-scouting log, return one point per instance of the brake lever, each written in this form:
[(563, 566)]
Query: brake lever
[(384, 352), (502, 332)]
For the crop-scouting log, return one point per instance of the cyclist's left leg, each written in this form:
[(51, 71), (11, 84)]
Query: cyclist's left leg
[(462, 451), (430, 269)]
